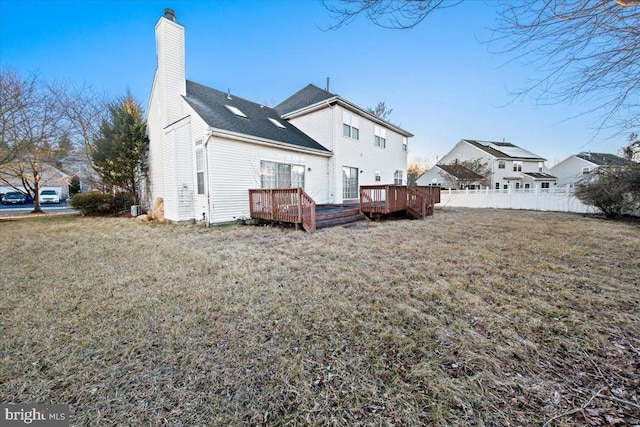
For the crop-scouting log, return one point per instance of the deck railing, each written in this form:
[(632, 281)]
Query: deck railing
[(286, 205), (386, 199), (383, 199)]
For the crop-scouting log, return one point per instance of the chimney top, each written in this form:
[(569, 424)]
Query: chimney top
[(170, 14)]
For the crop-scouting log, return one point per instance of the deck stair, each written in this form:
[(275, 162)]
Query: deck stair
[(334, 215)]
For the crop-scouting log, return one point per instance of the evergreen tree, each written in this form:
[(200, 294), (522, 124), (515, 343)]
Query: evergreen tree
[(120, 149)]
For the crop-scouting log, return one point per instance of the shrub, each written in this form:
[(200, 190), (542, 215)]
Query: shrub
[(122, 202), (93, 203), (615, 190)]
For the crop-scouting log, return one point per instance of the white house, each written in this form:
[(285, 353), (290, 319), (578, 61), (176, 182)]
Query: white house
[(455, 177), (207, 147), (570, 170), (510, 166)]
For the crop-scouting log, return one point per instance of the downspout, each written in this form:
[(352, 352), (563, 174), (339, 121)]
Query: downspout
[(332, 162), (207, 221)]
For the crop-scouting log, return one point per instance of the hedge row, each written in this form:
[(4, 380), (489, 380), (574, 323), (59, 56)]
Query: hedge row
[(96, 203)]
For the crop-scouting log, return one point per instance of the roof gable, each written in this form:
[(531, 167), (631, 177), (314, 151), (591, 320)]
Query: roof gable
[(602, 159), (218, 108), (306, 96)]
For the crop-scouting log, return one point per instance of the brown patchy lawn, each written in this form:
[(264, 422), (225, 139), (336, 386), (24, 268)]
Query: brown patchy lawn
[(471, 317)]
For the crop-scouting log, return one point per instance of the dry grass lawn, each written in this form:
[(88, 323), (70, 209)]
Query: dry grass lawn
[(471, 317)]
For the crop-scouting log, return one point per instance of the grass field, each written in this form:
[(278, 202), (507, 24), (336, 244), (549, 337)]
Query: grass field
[(470, 317)]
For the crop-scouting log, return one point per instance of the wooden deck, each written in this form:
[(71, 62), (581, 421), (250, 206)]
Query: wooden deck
[(379, 200), (294, 206)]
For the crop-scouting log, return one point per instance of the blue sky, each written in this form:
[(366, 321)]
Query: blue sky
[(443, 83)]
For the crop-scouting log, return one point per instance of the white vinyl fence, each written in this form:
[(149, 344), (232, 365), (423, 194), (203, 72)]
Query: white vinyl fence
[(538, 199)]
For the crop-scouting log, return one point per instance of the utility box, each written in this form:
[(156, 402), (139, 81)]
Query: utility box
[(136, 210)]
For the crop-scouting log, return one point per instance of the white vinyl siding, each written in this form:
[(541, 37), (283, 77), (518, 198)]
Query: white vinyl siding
[(235, 167)]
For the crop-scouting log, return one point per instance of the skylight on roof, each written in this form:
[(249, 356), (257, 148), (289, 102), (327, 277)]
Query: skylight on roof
[(236, 111), (277, 123)]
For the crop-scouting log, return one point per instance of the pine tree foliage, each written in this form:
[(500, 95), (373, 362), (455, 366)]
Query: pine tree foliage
[(119, 152)]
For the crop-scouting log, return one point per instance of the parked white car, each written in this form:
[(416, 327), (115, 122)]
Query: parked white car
[(49, 196)]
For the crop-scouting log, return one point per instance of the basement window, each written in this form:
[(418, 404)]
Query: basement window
[(277, 123), (236, 111)]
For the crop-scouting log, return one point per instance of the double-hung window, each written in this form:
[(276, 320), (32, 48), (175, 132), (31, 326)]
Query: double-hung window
[(200, 166), (281, 175), (397, 177), (517, 166), (500, 164), (380, 137), (350, 125)]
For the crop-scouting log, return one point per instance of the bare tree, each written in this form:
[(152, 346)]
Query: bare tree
[(416, 168), (12, 89), (33, 130), (583, 49), (396, 14), (381, 110), (614, 190), (83, 110), (632, 150)]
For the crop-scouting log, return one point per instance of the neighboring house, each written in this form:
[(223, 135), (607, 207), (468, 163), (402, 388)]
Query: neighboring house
[(510, 166), (207, 148), (78, 165), (455, 177), (573, 168), (51, 178)]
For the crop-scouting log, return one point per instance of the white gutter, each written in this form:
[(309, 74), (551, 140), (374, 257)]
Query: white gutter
[(268, 142), (350, 106)]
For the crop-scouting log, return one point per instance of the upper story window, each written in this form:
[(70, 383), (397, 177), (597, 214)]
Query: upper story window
[(517, 166), (501, 164), (405, 142), (377, 174), (585, 171), (236, 111), (540, 166), (380, 137), (350, 126)]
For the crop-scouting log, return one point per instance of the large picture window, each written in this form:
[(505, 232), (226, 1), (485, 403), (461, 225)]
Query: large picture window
[(281, 175), (349, 183)]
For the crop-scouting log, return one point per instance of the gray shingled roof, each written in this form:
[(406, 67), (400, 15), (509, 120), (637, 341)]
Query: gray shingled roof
[(210, 105), (506, 151), (602, 159), (462, 173), (540, 175), (306, 96)]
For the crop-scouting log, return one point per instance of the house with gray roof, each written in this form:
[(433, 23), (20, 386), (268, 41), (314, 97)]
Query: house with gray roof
[(573, 168), (508, 165), (208, 147), (455, 177)]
